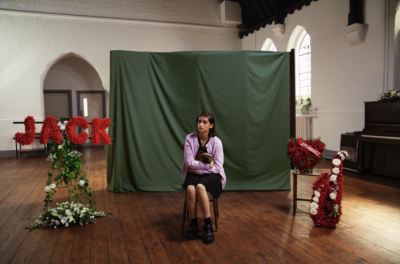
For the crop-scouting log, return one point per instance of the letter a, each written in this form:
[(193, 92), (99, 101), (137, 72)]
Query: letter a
[(50, 129)]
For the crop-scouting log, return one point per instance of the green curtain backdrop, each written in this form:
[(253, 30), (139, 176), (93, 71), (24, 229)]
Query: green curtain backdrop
[(156, 97)]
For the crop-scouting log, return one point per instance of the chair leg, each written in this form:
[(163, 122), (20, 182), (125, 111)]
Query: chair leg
[(185, 210), (215, 205)]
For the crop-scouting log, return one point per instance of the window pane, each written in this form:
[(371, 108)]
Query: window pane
[(305, 66)]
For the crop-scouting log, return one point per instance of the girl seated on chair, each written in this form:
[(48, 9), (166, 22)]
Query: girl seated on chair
[(200, 177)]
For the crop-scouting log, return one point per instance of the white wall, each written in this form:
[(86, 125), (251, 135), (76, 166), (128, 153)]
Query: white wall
[(31, 43), (343, 77)]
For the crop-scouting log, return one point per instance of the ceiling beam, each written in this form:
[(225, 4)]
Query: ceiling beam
[(278, 17), (258, 10)]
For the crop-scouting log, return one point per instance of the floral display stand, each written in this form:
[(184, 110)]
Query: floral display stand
[(66, 169)]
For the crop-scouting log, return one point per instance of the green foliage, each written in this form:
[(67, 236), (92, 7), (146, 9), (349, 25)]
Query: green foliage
[(305, 108), (66, 169)]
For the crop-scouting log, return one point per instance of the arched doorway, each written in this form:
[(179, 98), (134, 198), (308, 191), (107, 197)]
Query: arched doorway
[(73, 87)]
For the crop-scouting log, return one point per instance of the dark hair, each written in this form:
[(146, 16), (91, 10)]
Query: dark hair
[(211, 119)]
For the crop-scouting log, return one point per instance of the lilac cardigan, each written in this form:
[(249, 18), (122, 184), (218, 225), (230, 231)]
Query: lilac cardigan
[(214, 146)]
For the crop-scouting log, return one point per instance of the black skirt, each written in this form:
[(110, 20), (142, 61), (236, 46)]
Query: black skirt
[(211, 181)]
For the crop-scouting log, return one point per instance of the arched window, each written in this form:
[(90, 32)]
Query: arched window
[(268, 45), (304, 66)]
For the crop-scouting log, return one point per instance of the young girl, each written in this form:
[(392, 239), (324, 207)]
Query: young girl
[(201, 178)]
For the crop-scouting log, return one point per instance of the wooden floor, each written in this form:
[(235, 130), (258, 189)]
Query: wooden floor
[(254, 227)]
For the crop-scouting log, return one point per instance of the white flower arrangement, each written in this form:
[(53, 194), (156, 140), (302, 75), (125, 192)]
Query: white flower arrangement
[(74, 153), (336, 162), (67, 214), (390, 95)]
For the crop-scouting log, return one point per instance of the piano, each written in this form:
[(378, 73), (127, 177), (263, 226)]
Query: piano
[(379, 142)]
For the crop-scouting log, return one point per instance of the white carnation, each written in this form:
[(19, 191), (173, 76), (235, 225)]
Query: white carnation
[(313, 205), (313, 211), (68, 212), (47, 189), (53, 185), (60, 146), (81, 182), (317, 193), (64, 220), (335, 170), (333, 178), (315, 199), (332, 196), (62, 125), (336, 162)]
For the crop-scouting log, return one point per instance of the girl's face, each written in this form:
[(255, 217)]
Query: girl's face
[(203, 125)]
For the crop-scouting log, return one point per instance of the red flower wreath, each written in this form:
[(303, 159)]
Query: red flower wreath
[(50, 129), (71, 127), (326, 200), (30, 129), (99, 132)]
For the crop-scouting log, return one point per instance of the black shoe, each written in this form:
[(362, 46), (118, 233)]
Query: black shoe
[(192, 230), (208, 234)]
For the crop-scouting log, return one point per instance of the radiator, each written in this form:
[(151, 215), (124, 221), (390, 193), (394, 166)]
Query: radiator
[(303, 127)]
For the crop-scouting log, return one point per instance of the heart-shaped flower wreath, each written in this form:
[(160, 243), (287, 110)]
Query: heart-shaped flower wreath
[(305, 154)]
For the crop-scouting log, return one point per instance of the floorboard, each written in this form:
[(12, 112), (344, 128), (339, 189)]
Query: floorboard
[(254, 226)]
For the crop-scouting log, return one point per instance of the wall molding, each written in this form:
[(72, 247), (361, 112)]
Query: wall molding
[(328, 154), (341, 112), (37, 13)]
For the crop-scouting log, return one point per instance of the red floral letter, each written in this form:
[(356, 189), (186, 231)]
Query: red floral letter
[(99, 132), (70, 129), (30, 129), (50, 129)]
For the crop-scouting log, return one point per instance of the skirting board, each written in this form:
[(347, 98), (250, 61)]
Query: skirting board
[(328, 154), (11, 154)]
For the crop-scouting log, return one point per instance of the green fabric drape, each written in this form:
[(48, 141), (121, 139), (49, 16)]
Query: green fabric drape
[(156, 97)]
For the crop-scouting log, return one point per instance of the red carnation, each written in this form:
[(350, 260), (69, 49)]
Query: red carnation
[(291, 142), (329, 207), (321, 146), (50, 129), (30, 129), (299, 141), (70, 129), (98, 131)]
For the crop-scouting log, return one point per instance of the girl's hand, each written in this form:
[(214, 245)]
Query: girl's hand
[(211, 164), (193, 171)]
